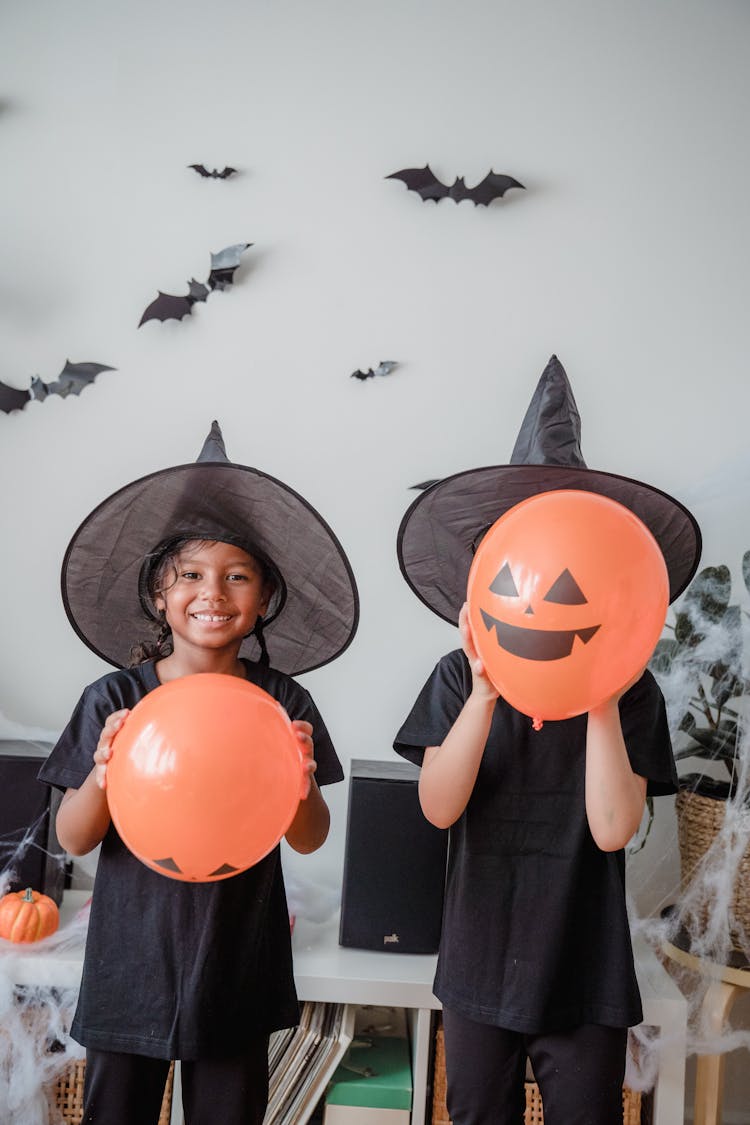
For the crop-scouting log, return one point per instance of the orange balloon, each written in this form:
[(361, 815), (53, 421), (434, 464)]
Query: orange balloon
[(205, 777), (567, 595)]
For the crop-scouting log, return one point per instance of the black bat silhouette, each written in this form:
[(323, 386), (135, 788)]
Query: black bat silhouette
[(384, 368), (202, 170), (223, 265), (71, 381), (428, 186)]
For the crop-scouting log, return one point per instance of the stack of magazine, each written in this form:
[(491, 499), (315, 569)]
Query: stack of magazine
[(302, 1059)]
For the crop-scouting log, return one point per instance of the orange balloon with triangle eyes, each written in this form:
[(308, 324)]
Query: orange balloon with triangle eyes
[(205, 777), (567, 596)]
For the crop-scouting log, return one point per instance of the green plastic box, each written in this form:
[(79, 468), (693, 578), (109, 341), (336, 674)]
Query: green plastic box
[(372, 1084)]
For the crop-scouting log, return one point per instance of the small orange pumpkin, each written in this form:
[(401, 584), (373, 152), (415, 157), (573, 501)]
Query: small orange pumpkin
[(27, 916)]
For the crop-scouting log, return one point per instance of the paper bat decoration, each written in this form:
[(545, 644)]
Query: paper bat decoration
[(202, 170), (168, 307), (384, 368), (428, 186), (71, 381)]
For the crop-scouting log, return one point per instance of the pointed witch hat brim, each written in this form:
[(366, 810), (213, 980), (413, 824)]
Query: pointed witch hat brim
[(441, 530), (314, 612)]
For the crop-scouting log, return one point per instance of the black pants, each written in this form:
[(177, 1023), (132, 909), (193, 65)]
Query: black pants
[(580, 1073), (128, 1089)]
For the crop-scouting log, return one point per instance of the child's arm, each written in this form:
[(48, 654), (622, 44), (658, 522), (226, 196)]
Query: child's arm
[(615, 796), (449, 771), (83, 817), (309, 829)]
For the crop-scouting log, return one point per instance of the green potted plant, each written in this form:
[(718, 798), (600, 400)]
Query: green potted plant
[(700, 667)]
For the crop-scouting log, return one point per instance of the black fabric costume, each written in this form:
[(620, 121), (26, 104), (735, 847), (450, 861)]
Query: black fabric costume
[(175, 969), (535, 932)]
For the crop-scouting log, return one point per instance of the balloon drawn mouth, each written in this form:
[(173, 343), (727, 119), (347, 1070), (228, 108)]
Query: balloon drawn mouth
[(536, 644), (169, 865)]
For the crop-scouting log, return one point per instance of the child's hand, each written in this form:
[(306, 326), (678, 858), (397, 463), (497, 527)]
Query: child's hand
[(103, 751), (303, 730), (481, 682)]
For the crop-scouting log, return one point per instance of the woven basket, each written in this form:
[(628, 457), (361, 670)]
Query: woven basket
[(699, 821), (66, 1095), (631, 1099)]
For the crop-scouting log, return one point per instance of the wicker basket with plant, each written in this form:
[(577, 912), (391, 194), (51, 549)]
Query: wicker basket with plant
[(701, 668)]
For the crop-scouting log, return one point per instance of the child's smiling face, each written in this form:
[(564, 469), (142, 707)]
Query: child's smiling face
[(217, 595)]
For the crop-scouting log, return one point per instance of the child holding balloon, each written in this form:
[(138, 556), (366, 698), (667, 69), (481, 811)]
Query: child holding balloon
[(535, 957), (215, 558)]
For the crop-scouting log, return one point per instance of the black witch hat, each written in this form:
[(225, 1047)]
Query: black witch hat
[(442, 528), (314, 611)]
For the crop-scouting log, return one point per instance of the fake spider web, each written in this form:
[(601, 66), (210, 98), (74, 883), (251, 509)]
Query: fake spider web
[(700, 912)]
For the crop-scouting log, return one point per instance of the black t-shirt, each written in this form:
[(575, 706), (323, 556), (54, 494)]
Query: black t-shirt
[(179, 969), (535, 931)]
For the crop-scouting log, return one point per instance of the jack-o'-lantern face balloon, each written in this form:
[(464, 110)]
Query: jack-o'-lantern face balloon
[(205, 777), (567, 595)]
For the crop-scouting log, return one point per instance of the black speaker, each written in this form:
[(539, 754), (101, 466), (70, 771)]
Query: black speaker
[(30, 848), (394, 864)]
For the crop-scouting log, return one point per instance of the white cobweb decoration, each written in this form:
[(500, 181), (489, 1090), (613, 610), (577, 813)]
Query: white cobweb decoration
[(35, 1044), (701, 915)]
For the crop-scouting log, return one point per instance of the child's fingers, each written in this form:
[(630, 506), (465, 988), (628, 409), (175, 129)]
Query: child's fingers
[(113, 723), (467, 640), (103, 751), (303, 730), (476, 663), (309, 766)]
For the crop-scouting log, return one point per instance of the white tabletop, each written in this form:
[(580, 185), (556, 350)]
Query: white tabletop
[(324, 970)]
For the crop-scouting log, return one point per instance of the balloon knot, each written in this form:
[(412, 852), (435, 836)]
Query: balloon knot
[(537, 724)]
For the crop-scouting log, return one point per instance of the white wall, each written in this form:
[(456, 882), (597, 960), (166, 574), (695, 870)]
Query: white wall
[(626, 255)]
